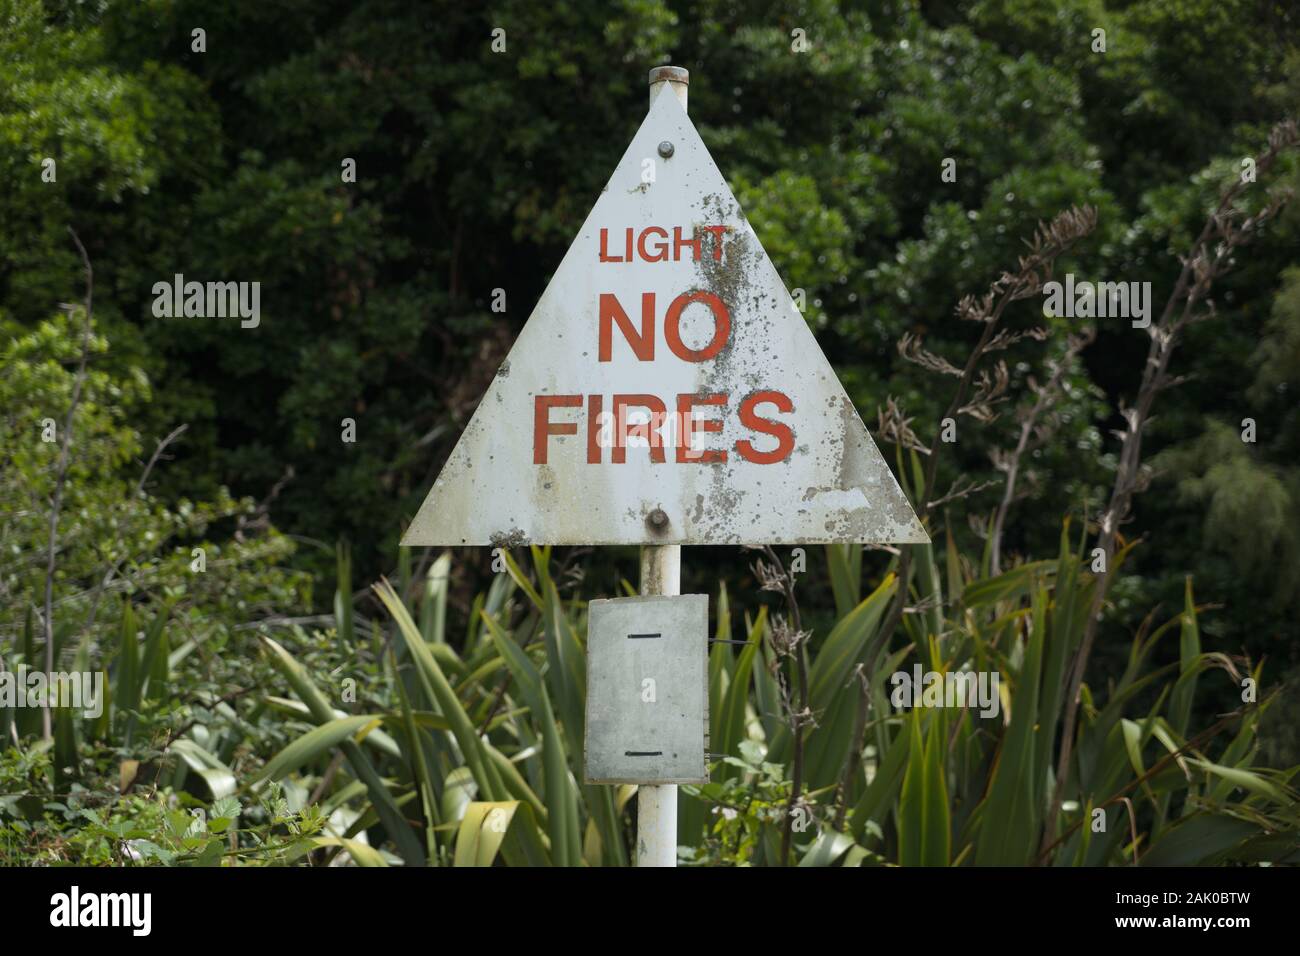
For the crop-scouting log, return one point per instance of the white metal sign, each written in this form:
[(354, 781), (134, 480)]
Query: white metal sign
[(648, 690), (666, 390)]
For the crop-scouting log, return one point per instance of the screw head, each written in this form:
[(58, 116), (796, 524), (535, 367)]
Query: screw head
[(665, 149), (657, 519)]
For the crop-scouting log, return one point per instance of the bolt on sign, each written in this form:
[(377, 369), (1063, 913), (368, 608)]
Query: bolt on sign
[(665, 390)]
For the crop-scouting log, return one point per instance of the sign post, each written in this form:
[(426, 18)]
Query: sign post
[(665, 391), (656, 806), (661, 573)]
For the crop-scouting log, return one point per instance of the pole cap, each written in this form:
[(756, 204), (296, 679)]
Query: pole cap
[(674, 74)]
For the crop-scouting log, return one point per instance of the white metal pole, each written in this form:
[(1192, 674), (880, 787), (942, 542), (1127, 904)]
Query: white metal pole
[(678, 77), (656, 828), (661, 573)]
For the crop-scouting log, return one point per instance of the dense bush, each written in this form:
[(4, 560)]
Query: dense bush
[(171, 491), (394, 736)]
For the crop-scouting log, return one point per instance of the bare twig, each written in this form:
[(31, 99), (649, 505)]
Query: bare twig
[(261, 517), (895, 427), (1029, 428), (139, 488), (1049, 242), (855, 749), (910, 348), (335, 762), (1210, 257), (963, 487), (13, 725), (990, 390), (157, 451), (775, 577)]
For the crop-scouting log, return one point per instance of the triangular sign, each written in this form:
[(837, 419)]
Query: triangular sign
[(666, 390)]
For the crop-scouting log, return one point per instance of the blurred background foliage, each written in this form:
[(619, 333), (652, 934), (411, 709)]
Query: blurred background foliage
[(475, 169)]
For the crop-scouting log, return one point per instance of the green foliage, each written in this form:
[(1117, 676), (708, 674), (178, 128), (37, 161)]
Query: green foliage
[(1249, 509), (376, 293), (1278, 356), (98, 828), (488, 723), (108, 521), (130, 606), (393, 739), (746, 811)]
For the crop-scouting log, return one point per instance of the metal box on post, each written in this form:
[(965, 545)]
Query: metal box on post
[(648, 690)]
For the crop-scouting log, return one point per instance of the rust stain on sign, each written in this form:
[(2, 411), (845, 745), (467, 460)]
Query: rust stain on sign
[(665, 372)]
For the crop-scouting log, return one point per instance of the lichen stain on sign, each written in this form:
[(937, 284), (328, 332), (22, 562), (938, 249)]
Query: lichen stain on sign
[(665, 371)]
